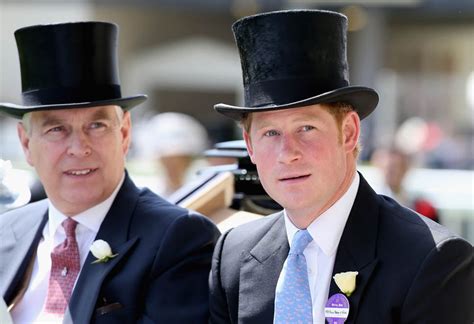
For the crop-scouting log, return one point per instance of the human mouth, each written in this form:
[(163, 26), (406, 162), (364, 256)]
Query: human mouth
[(82, 172), (295, 178)]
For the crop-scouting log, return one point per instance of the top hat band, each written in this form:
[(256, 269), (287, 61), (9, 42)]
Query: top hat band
[(54, 96)]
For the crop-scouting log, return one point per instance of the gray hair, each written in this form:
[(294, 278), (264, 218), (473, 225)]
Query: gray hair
[(26, 122)]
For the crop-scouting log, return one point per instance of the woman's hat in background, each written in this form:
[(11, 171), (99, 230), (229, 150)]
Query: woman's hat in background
[(172, 134), (295, 58), (69, 65)]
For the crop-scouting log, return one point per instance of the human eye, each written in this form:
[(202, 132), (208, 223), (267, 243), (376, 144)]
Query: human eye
[(270, 133), (97, 125), (307, 128), (55, 130)]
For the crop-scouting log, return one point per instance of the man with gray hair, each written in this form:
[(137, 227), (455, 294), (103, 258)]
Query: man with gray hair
[(98, 249)]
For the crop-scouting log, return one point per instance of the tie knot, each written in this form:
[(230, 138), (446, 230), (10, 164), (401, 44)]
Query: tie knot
[(300, 241), (69, 225)]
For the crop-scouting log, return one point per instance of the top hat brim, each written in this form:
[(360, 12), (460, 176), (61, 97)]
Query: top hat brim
[(17, 111), (363, 99)]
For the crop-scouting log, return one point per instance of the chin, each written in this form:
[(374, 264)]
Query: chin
[(290, 203), (83, 198)]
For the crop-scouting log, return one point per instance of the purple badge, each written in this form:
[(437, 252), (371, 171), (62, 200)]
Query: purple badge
[(337, 309)]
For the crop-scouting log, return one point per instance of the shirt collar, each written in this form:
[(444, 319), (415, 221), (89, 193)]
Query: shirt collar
[(91, 218), (326, 230)]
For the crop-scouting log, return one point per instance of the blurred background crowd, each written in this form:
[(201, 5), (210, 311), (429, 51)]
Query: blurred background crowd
[(418, 54)]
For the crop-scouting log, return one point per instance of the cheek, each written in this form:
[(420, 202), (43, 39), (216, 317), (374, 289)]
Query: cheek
[(266, 165), (38, 151), (327, 146), (263, 154), (115, 150), (45, 158), (118, 140), (265, 176)]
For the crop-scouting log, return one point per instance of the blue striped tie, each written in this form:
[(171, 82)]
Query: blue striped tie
[(293, 300)]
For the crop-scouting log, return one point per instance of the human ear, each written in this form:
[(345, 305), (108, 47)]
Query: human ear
[(25, 142), (350, 131), (126, 131), (248, 143)]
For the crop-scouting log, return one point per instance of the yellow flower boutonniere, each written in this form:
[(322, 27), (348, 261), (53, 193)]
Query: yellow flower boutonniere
[(346, 281)]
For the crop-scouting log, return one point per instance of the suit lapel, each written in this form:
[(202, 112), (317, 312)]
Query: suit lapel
[(18, 243), (114, 230), (357, 248), (259, 273)]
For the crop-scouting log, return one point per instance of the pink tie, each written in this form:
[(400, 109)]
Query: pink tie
[(64, 270)]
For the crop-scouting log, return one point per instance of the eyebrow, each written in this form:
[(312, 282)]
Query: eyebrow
[(300, 119), (102, 114), (51, 120)]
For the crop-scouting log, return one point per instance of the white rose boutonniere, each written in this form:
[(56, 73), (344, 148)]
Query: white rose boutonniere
[(102, 251), (346, 281)]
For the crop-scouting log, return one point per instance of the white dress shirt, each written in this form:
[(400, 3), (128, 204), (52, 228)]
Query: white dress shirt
[(320, 254), (29, 309)]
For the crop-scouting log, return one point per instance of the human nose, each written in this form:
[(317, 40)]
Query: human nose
[(79, 144), (289, 150)]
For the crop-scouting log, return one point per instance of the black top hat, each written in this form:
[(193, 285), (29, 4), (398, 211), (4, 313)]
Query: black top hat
[(295, 58), (69, 65)]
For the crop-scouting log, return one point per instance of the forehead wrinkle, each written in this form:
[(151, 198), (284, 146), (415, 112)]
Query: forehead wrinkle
[(48, 118)]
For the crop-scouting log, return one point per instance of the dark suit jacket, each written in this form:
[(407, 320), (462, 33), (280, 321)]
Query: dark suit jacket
[(411, 270), (159, 275)]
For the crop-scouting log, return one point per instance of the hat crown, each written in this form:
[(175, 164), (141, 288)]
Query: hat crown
[(68, 62), (288, 56), (295, 58)]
